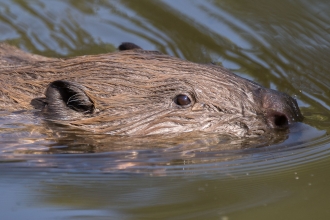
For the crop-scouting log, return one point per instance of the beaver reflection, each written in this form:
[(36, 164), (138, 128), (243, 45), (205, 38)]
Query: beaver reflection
[(139, 92)]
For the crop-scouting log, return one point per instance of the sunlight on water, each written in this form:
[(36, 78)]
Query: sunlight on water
[(56, 172)]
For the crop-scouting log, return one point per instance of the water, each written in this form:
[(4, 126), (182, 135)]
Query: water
[(49, 173)]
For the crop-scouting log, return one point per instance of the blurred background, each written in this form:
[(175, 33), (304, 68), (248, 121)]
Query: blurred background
[(283, 45)]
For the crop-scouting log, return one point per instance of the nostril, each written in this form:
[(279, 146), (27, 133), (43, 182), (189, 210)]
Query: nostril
[(277, 120), (280, 120)]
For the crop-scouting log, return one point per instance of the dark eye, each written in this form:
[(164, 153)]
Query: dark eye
[(182, 100)]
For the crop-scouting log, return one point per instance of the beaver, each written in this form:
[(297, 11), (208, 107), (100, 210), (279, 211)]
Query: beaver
[(139, 92)]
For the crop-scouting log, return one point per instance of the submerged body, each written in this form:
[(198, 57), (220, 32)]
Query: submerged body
[(138, 92)]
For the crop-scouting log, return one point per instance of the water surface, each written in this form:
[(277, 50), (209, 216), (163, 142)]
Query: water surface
[(60, 173)]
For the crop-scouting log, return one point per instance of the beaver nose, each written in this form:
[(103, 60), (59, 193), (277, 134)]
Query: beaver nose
[(279, 109)]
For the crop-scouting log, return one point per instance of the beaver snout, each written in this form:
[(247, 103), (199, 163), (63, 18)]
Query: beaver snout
[(280, 110)]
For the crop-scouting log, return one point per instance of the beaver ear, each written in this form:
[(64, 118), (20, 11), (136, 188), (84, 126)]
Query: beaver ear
[(65, 100), (128, 46)]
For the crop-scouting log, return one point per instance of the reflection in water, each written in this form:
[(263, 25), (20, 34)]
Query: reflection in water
[(151, 183), (282, 45), (45, 145)]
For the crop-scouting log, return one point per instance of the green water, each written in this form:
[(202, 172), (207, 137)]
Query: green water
[(283, 45)]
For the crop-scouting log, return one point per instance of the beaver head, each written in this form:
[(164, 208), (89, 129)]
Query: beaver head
[(138, 92)]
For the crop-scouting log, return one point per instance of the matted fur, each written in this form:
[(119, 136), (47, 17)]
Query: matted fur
[(131, 93)]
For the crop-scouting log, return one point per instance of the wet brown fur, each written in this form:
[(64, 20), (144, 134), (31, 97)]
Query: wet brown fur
[(131, 92)]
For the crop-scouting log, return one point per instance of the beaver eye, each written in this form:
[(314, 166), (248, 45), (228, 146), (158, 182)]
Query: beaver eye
[(182, 100)]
